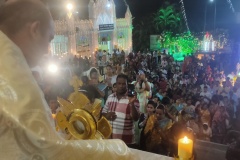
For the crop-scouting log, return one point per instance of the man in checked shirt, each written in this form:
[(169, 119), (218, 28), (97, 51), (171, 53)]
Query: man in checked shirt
[(121, 111)]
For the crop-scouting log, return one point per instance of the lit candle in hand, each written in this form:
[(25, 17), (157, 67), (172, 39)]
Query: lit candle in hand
[(185, 147)]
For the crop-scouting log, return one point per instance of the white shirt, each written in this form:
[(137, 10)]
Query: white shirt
[(207, 94), (100, 63)]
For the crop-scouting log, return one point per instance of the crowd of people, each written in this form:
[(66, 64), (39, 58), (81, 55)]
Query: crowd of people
[(150, 101), (153, 101)]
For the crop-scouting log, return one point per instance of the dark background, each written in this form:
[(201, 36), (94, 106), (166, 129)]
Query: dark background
[(194, 9)]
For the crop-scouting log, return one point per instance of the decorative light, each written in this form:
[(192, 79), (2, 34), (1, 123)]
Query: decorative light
[(108, 5), (69, 6), (184, 14), (231, 5)]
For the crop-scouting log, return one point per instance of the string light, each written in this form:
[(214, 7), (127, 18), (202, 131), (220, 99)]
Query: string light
[(184, 14), (125, 3), (231, 5)]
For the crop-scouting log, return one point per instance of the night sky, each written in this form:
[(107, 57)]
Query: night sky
[(195, 10)]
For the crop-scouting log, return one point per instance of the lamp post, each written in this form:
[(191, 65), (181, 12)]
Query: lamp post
[(71, 29), (69, 7), (215, 14)]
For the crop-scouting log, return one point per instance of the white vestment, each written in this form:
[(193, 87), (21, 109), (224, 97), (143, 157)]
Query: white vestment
[(27, 131)]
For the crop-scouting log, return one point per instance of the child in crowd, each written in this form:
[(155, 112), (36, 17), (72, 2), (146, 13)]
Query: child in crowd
[(156, 99)]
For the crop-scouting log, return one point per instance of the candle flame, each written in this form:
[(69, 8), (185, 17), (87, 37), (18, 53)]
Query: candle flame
[(185, 139)]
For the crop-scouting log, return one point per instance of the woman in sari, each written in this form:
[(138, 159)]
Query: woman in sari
[(142, 87), (156, 132)]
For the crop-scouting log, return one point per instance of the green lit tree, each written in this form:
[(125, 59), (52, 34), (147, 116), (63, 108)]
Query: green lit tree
[(167, 19)]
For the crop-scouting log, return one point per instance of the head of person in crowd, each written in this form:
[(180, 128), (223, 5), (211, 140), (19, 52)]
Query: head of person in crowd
[(205, 89), (184, 87), (151, 106), (164, 93), (185, 117), (30, 26), (91, 92), (215, 99), (189, 101), (109, 70), (160, 112), (198, 89), (93, 76), (121, 84), (220, 98), (166, 101), (225, 99), (179, 101), (156, 99), (204, 106), (142, 75)]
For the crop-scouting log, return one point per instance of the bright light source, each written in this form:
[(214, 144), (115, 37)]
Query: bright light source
[(69, 6), (108, 5), (52, 68), (211, 0)]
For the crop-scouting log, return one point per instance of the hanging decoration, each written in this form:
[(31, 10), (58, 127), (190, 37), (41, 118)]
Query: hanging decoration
[(184, 14), (231, 5), (125, 3)]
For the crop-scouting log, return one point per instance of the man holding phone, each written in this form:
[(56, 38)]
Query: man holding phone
[(121, 111)]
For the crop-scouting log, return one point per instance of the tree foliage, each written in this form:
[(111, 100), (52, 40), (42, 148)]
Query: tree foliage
[(167, 19)]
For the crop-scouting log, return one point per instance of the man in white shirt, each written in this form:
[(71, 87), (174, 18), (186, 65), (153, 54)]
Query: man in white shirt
[(206, 93)]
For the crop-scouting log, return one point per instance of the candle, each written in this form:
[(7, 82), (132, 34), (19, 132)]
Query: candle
[(185, 147)]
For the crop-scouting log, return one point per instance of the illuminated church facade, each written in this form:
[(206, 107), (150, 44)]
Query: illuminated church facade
[(102, 31)]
